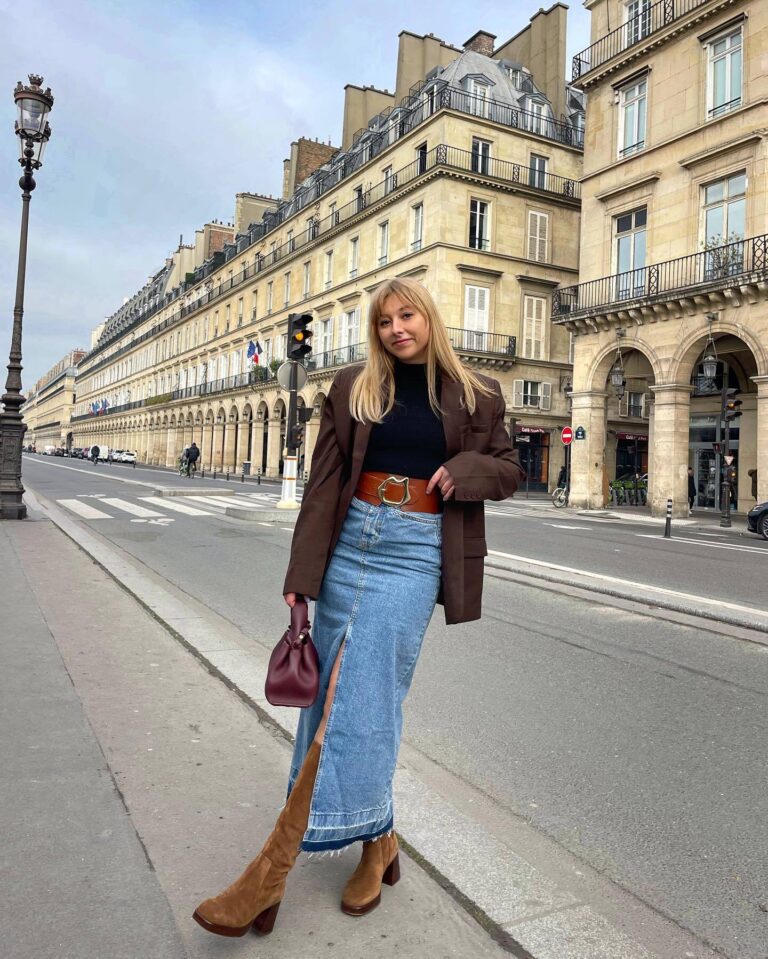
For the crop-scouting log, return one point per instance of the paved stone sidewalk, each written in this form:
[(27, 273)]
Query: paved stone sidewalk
[(93, 687)]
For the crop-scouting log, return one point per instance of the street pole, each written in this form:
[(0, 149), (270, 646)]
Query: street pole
[(288, 493), (725, 489), (33, 131)]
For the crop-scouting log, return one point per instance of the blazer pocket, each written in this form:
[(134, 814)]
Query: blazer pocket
[(475, 546)]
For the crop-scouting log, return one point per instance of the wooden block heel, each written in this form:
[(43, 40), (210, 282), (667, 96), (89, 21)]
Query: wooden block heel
[(264, 923), (392, 872)]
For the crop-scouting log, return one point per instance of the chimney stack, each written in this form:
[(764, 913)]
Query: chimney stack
[(480, 42)]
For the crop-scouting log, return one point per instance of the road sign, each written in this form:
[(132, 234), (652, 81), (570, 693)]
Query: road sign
[(580, 434), (567, 436), (728, 460), (284, 375)]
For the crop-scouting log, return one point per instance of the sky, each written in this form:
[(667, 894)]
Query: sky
[(162, 112)]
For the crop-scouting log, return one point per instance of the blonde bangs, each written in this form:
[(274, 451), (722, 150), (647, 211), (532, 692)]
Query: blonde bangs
[(373, 392)]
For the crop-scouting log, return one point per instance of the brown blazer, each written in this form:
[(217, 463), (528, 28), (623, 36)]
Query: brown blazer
[(480, 458)]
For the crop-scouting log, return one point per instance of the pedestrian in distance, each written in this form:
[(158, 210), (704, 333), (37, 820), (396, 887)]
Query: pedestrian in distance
[(184, 462), (691, 490), (193, 455), (94, 454), (392, 522), (561, 477)]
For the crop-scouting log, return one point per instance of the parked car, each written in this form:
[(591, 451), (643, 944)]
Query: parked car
[(59, 451), (757, 520), (127, 456), (49, 450)]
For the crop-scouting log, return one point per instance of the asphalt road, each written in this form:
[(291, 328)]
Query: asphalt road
[(637, 743)]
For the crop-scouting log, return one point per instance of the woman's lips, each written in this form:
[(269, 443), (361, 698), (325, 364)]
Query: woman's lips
[(402, 342)]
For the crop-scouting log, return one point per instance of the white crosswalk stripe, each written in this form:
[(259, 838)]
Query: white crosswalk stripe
[(80, 508), (133, 508), (174, 506)]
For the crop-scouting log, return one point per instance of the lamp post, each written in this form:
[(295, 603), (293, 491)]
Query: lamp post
[(32, 129)]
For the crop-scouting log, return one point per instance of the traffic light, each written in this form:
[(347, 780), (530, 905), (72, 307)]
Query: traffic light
[(731, 406), (297, 435), (299, 335), (730, 474)]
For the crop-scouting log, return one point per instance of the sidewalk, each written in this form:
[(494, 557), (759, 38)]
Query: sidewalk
[(135, 783)]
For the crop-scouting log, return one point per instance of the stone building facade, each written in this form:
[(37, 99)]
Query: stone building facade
[(470, 183), (673, 249), (48, 408)]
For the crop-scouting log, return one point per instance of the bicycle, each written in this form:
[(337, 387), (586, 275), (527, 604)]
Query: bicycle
[(560, 497)]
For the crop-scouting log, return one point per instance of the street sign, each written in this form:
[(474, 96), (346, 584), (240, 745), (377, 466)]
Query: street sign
[(580, 434), (728, 460), (519, 438), (284, 375), (567, 436)]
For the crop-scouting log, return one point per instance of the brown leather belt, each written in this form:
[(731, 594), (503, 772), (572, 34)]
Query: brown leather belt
[(403, 492)]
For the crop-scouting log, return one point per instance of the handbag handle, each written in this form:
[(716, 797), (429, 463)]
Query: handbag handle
[(300, 623)]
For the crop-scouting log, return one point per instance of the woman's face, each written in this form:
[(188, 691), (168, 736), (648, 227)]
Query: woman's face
[(403, 331)]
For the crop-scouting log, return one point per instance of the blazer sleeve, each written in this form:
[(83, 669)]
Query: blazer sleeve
[(319, 507), (496, 472)]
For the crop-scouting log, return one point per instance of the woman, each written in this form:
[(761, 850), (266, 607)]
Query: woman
[(391, 522)]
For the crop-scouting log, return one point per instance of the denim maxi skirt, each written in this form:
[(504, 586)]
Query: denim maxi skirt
[(378, 594)]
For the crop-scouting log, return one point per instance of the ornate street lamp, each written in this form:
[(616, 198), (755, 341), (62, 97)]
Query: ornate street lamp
[(710, 362), (32, 129)]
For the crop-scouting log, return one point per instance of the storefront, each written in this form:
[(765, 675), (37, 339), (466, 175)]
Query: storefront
[(532, 443), (631, 454), (706, 458)]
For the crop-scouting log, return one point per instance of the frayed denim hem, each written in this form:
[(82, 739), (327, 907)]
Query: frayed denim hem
[(327, 844)]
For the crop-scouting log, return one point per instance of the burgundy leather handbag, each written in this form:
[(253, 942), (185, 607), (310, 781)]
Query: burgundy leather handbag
[(293, 676)]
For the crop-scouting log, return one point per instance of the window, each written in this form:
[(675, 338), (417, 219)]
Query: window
[(514, 75), (227, 317), (325, 340), (537, 119), (307, 279), (311, 228), (334, 216), (290, 241), (287, 288), (537, 172), (481, 156), (724, 73), (538, 233), (328, 268), (533, 327), (273, 251), (417, 226), (359, 199), (383, 242), (478, 225), (532, 393), (635, 404), (421, 156), (254, 304), (240, 312), (269, 297), (638, 20), (205, 329), (354, 252), (630, 254), (350, 330), (215, 328), (430, 101), (476, 317), (632, 114), (480, 93), (724, 225)]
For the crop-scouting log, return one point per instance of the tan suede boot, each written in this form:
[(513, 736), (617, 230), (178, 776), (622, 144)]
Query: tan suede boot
[(380, 863), (252, 901)]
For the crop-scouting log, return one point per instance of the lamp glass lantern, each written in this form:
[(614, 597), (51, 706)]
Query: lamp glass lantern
[(33, 105)]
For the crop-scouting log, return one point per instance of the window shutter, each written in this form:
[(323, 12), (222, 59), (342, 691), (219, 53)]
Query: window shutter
[(476, 303), (538, 231), (624, 405), (533, 327), (546, 396), (517, 392), (644, 404)]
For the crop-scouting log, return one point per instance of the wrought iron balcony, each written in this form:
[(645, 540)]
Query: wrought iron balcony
[(723, 267), (632, 33)]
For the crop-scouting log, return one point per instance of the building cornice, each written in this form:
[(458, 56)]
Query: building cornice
[(711, 152), (614, 191)]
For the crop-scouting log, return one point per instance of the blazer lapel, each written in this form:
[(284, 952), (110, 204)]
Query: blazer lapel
[(454, 415)]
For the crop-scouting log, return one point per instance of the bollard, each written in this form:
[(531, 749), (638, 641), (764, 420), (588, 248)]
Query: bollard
[(134, 464), (242, 476), (227, 476), (214, 472), (668, 524), (258, 476)]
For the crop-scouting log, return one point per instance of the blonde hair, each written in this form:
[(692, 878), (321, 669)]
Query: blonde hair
[(373, 393)]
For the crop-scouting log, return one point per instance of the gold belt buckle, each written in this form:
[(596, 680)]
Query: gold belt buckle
[(401, 481)]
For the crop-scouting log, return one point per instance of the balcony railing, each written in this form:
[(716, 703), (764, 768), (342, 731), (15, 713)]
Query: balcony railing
[(722, 266), (629, 34), (474, 342)]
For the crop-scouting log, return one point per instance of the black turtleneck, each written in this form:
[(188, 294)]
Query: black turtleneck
[(410, 441)]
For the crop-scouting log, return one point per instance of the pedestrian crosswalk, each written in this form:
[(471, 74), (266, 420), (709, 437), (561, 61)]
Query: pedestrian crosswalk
[(155, 509)]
